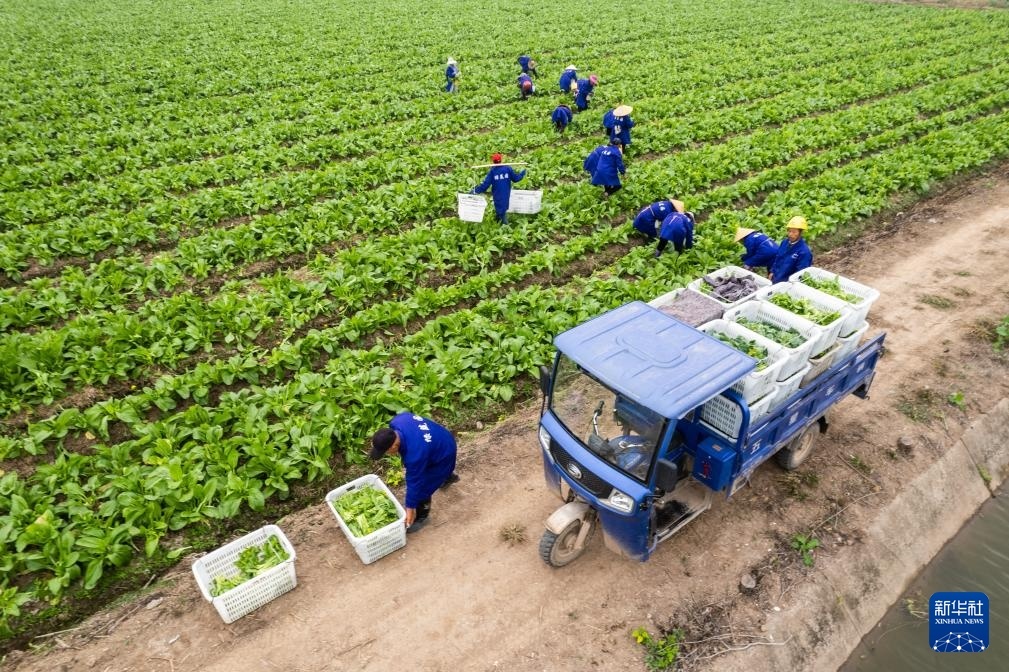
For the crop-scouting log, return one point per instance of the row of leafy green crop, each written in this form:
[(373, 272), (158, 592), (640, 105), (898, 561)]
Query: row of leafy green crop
[(79, 515), (92, 350), (133, 187), (247, 242), (256, 194), (192, 118)]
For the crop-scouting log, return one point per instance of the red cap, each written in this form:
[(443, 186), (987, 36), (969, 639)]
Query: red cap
[(526, 85), (594, 79), (496, 158)]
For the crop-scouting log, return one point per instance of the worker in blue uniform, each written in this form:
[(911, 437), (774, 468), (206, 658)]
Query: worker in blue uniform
[(584, 90), (528, 66), (451, 76), (526, 87), (499, 180), (760, 249), (428, 452), (793, 254), (618, 123), (561, 117), (677, 228), (568, 77), (650, 217), (606, 165)]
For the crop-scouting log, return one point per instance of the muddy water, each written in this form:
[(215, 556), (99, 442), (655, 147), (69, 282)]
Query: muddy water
[(976, 559)]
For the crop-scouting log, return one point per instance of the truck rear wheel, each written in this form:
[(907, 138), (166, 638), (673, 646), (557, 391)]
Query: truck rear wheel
[(558, 550), (798, 449)]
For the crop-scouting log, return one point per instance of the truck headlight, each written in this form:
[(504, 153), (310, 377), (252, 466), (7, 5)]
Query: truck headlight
[(620, 501), (545, 439)]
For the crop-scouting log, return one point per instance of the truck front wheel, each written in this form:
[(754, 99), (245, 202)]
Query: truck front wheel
[(798, 449), (558, 550)]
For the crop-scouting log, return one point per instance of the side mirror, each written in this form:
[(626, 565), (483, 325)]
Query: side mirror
[(545, 380), (666, 476)]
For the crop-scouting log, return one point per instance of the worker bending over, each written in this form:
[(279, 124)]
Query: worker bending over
[(677, 228), (606, 165), (650, 217), (760, 249), (568, 82), (561, 117), (528, 66), (583, 92)]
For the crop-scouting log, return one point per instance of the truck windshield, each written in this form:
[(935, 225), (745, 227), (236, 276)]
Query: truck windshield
[(618, 430)]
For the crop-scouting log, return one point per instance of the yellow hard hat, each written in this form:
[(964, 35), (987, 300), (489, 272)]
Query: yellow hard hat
[(798, 222), (743, 233), (677, 205)]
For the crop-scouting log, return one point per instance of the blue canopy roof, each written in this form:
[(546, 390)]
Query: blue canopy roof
[(654, 359)]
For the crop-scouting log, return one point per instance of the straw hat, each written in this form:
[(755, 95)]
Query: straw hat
[(623, 111), (743, 233), (451, 61), (571, 67), (677, 205), (798, 222)]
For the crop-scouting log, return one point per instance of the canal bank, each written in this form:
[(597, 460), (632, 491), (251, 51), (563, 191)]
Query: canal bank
[(843, 600)]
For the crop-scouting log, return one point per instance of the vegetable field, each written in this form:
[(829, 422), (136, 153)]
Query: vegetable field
[(228, 249)]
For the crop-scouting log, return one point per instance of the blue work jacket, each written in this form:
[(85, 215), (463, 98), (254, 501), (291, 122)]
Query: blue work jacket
[(499, 180), (526, 78), (606, 164), (650, 216), (760, 250), (585, 89), (678, 229), (790, 258), (561, 116), (428, 452), (567, 77), (451, 72), (524, 63), (618, 127)]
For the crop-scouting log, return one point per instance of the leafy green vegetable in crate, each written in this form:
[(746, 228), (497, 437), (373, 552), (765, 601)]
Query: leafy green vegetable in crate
[(805, 308), (251, 562), (366, 510), (832, 287), (788, 337), (745, 346)]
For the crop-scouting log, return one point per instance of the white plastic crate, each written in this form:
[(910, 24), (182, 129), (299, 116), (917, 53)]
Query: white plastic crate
[(819, 364), (761, 311), (758, 383), (847, 344), (255, 592), (829, 332), (788, 387), (471, 207), (859, 310), (729, 272), (525, 202), (380, 542), (725, 417), (666, 300)]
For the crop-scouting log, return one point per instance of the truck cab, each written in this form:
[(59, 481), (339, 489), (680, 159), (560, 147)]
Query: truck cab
[(623, 441)]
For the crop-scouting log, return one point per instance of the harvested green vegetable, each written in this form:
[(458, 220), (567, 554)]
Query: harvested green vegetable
[(366, 510), (804, 308), (251, 561), (745, 346), (832, 287), (788, 337)]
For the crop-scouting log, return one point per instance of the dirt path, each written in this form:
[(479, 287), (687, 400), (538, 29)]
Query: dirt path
[(458, 597)]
